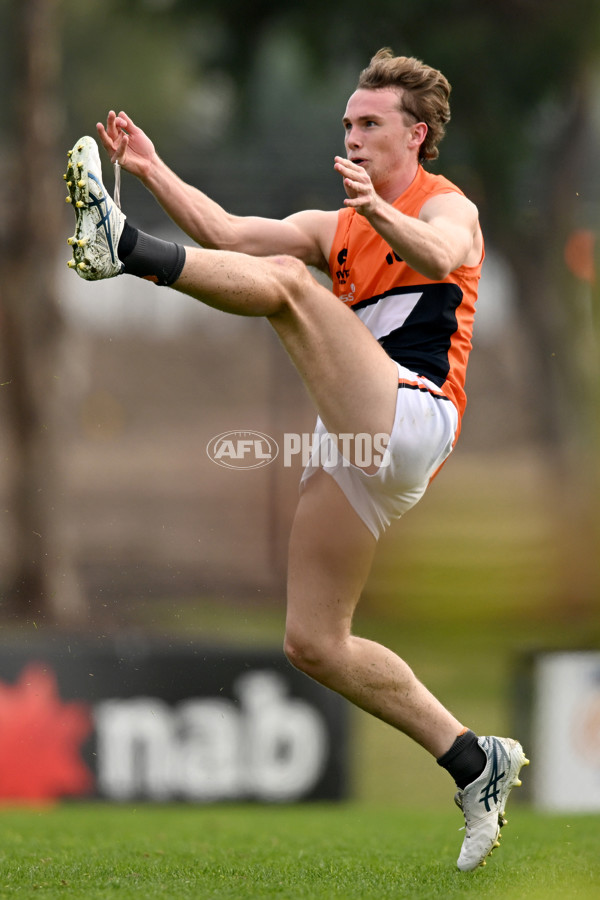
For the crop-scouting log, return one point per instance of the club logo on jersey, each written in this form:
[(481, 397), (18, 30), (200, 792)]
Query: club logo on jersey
[(393, 256), (342, 274)]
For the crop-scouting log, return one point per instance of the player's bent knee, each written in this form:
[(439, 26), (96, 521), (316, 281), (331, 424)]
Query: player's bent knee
[(293, 277), (313, 656)]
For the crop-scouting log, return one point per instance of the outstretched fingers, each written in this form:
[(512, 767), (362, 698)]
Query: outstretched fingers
[(111, 136)]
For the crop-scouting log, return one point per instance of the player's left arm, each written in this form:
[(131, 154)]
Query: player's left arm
[(445, 236), (455, 221)]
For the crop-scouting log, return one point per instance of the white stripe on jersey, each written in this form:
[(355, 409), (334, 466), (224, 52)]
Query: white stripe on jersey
[(388, 313)]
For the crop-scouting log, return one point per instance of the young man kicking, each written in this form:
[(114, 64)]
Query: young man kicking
[(383, 353)]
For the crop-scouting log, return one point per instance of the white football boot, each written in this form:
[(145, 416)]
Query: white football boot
[(99, 221), (484, 800)]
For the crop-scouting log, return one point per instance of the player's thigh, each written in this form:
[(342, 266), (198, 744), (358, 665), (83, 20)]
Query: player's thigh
[(351, 379)]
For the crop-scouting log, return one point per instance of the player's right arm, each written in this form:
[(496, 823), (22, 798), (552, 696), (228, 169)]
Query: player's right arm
[(306, 235)]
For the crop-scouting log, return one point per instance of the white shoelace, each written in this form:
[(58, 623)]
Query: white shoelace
[(117, 191)]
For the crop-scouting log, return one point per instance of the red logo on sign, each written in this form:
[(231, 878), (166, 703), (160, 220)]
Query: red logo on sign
[(40, 740)]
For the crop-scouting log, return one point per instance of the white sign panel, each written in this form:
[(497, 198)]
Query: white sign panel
[(566, 732)]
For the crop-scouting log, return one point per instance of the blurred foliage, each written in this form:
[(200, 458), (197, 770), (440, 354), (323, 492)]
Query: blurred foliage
[(514, 64), (520, 70), (262, 72), (143, 65)]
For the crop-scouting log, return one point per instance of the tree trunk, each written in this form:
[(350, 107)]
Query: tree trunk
[(41, 583)]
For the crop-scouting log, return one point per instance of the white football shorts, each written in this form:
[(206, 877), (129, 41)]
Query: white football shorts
[(423, 435)]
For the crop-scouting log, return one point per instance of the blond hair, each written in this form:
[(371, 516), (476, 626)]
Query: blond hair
[(425, 93)]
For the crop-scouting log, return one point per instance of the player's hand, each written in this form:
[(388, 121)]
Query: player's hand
[(127, 144), (362, 196)]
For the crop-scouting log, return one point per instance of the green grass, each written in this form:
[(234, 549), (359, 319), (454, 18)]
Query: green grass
[(286, 852)]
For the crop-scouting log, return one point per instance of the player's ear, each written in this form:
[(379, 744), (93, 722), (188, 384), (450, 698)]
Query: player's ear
[(418, 133)]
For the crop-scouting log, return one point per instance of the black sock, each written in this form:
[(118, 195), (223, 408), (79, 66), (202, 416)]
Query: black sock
[(465, 760), (150, 257)]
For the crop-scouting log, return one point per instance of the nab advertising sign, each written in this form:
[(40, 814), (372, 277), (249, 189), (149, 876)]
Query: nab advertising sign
[(149, 722)]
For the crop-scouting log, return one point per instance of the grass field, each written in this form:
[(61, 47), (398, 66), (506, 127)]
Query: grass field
[(299, 852)]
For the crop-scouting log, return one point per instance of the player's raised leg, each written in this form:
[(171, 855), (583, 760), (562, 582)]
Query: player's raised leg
[(351, 379)]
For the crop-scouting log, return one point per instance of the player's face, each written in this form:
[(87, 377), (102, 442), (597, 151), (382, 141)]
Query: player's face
[(378, 135)]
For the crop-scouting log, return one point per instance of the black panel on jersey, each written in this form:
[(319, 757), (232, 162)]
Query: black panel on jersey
[(423, 341)]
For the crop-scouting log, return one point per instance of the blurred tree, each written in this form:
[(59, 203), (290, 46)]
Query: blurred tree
[(41, 583), (53, 96)]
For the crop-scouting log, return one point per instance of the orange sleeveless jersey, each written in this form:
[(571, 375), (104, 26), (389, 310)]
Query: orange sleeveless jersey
[(424, 325)]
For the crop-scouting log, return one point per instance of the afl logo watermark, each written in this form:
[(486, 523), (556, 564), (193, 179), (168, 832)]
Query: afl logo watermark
[(242, 449)]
